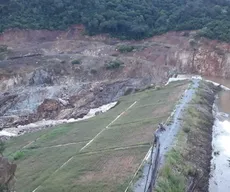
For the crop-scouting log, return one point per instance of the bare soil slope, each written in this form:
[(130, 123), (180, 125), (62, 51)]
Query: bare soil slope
[(62, 74)]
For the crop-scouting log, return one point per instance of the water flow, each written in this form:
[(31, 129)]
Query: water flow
[(220, 163)]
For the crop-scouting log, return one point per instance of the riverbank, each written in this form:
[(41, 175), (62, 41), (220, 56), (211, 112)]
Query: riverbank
[(187, 164)]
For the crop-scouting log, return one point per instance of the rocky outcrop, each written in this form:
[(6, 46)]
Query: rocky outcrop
[(6, 102), (49, 108), (41, 77)]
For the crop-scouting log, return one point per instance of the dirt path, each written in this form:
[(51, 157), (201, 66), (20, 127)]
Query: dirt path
[(166, 139)]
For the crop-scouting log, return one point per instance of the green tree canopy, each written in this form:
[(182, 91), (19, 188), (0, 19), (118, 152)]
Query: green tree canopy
[(133, 19)]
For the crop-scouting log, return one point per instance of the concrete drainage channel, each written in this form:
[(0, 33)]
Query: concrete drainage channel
[(163, 143)]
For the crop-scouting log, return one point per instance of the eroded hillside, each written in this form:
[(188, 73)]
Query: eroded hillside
[(62, 74)]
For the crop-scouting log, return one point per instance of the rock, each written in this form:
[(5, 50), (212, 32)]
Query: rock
[(49, 105), (129, 90), (98, 112), (101, 89), (63, 102), (49, 108), (6, 102), (6, 93), (79, 113), (7, 172), (26, 119), (6, 122), (41, 77)]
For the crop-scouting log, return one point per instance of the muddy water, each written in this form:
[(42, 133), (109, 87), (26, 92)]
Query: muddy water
[(220, 163), (223, 101)]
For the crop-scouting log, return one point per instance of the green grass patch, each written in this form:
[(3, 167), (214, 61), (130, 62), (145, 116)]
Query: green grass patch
[(17, 143), (106, 169), (37, 165), (172, 177), (170, 181)]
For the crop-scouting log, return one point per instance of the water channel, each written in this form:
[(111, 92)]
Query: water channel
[(220, 163)]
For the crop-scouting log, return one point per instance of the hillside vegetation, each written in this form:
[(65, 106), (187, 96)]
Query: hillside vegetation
[(123, 18)]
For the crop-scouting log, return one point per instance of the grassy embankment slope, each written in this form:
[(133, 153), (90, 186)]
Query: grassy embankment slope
[(109, 161), (189, 160)]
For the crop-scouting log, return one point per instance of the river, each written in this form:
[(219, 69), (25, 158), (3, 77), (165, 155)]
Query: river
[(220, 163)]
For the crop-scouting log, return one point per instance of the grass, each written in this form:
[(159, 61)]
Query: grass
[(105, 172), (103, 165), (39, 164), (171, 178)]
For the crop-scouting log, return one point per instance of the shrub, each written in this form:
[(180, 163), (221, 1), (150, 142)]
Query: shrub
[(4, 188), (157, 88), (93, 71), (3, 48), (76, 62), (191, 171), (186, 129), (113, 64), (18, 155), (114, 55), (125, 48)]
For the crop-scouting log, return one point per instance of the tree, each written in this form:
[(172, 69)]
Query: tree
[(130, 19)]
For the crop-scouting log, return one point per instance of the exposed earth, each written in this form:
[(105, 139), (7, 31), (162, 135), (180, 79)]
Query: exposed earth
[(63, 74)]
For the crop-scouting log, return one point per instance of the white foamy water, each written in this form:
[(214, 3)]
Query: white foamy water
[(220, 163), (217, 84), (12, 132), (182, 78), (8, 134)]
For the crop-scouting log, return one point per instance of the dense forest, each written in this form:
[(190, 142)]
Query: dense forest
[(122, 18)]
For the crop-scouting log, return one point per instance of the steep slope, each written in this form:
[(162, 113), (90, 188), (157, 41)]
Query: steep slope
[(62, 74)]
